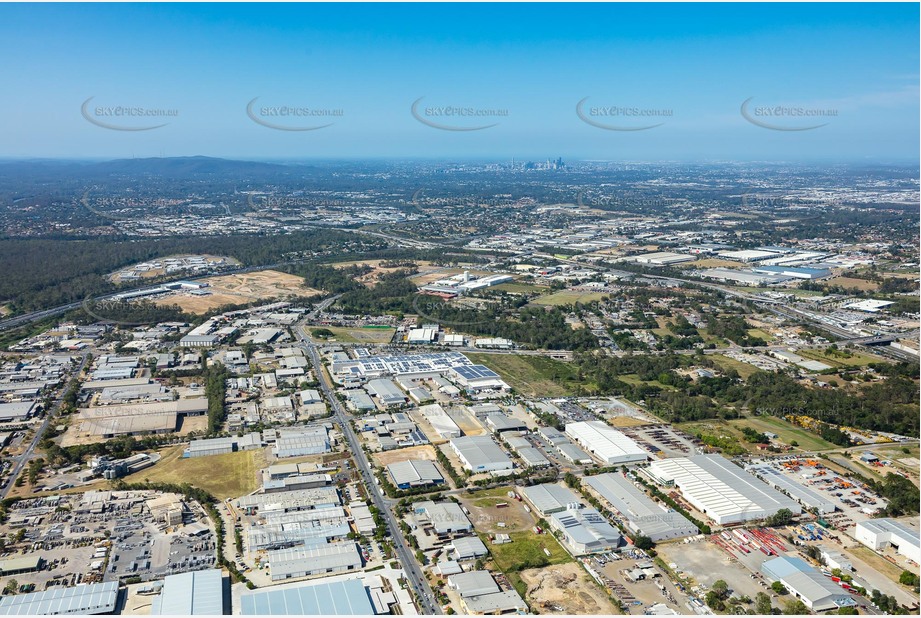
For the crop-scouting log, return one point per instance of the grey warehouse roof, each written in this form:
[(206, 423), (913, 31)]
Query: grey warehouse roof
[(341, 598), (643, 515), (415, 472), (549, 498), (83, 599), (199, 593)]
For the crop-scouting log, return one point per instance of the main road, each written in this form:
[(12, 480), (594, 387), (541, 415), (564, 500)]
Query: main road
[(412, 569), (50, 414)]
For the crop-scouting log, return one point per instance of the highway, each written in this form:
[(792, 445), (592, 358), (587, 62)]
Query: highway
[(407, 559), (50, 414)]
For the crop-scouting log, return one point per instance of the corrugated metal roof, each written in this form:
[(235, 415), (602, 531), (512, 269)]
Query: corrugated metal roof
[(83, 599), (342, 598), (199, 593)]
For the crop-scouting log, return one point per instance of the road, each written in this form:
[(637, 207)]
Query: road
[(406, 557), (50, 414)]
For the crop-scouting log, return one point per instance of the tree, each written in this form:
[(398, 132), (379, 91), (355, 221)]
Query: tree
[(908, 578), (714, 601), (779, 588), (795, 608), (643, 542), (780, 518), (763, 604), (11, 587), (721, 588), (847, 611)]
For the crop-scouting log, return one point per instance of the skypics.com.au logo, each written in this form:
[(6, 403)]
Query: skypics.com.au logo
[(455, 117), (785, 117), (295, 118), (125, 117), (621, 117)]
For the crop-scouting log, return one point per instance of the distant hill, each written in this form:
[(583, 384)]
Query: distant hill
[(165, 167)]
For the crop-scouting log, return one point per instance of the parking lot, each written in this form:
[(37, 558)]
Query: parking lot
[(663, 440)]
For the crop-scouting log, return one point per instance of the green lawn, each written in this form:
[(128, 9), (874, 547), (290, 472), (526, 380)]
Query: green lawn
[(785, 431), (532, 376), (224, 476), (854, 359), (357, 335), (527, 548), (519, 288), (744, 369), (567, 297)]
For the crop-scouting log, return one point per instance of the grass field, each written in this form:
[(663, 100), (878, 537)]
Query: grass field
[(757, 332), (358, 335), (856, 359), (519, 288), (224, 476), (785, 431), (527, 548), (849, 283), (531, 375), (567, 297), (876, 562), (727, 363)]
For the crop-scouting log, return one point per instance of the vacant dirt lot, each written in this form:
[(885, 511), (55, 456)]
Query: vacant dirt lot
[(469, 425), (405, 454), (239, 289), (371, 278), (486, 516), (566, 589)]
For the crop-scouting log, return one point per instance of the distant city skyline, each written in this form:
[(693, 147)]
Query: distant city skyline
[(480, 82)]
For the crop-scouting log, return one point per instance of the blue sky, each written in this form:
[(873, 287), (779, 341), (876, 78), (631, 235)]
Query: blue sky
[(692, 65)]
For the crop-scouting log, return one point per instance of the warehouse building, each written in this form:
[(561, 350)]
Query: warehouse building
[(800, 493), (747, 255), (810, 274), (720, 489), (480, 594), (605, 443), (585, 531), (83, 600), (663, 258), (300, 441), (21, 564), (641, 514), (16, 411), (445, 518), (805, 583), (440, 421), (415, 473), (549, 498), (480, 454), (305, 561), (468, 548), (573, 453), (477, 377), (881, 533), (199, 593), (742, 277), (502, 423), (219, 446), (349, 597), (299, 500), (532, 457), (386, 392), (359, 400)]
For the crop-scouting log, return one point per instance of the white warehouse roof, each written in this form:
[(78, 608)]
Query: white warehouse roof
[(720, 489), (605, 442)]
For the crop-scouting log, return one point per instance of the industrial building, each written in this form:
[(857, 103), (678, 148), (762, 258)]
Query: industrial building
[(16, 411), (386, 392), (641, 514), (549, 498), (815, 590), (138, 419), (477, 377), (609, 445), (84, 599), (663, 258), (305, 528), (300, 441), (742, 277), (480, 454), (480, 594), (299, 500), (440, 421), (720, 489), (747, 255), (340, 598), (21, 564), (315, 560), (502, 423), (468, 548), (415, 473), (881, 533), (800, 493), (810, 274), (359, 400), (198, 593), (446, 518), (585, 531), (219, 446)]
